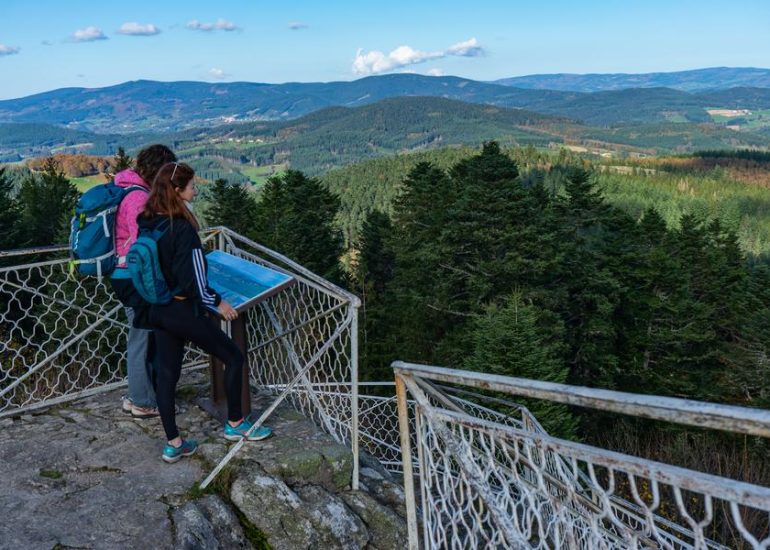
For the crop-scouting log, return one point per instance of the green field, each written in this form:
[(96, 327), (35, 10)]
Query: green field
[(87, 182), (755, 119), (259, 174)]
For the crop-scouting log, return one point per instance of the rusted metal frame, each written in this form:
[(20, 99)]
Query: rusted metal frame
[(680, 411), (436, 391), (354, 395), (34, 265), (550, 478), (506, 403), (617, 504), (743, 493)]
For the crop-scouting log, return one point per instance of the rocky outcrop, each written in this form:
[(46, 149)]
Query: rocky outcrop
[(88, 476)]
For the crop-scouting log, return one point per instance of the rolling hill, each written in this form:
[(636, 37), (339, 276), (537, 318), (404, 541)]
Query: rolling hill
[(337, 136), (170, 106), (716, 78)]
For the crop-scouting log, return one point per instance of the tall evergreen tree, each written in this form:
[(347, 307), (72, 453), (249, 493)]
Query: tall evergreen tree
[(591, 289), (296, 216), (47, 201), (420, 215), (10, 214), (232, 206), (121, 161), (509, 340), (373, 269)]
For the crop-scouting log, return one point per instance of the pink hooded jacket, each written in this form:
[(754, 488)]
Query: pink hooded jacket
[(126, 228)]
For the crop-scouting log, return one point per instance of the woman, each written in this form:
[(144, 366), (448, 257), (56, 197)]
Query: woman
[(184, 319), (140, 402)]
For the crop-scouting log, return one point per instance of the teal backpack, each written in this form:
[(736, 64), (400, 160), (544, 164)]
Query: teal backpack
[(143, 264), (92, 230)]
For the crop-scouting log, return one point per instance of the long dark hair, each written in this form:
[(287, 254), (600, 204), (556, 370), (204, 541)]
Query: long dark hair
[(164, 199)]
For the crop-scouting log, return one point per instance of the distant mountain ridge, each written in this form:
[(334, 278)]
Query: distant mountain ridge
[(337, 136), (715, 78), (168, 106)]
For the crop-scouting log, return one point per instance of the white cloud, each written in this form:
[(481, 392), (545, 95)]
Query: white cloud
[(219, 25), (375, 62), (435, 72), (297, 26), (469, 48), (137, 29), (217, 73), (89, 34), (8, 50)]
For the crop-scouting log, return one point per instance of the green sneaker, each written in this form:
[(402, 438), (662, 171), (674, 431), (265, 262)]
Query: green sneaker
[(236, 433), (173, 454)]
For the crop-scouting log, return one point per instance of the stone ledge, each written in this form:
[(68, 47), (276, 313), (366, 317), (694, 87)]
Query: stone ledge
[(92, 477)]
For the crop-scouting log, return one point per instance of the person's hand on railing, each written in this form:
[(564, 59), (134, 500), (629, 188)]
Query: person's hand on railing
[(227, 311)]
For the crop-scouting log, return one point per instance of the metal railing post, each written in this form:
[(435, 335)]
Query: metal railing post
[(354, 395), (406, 453)]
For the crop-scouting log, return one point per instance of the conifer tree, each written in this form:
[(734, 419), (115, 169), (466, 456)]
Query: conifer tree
[(47, 201), (420, 216), (9, 214), (296, 216), (121, 161), (373, 272), (590, 287), (509, 340), (232, 206)]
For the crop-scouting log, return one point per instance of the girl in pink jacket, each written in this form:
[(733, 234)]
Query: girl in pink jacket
[(140, 401)]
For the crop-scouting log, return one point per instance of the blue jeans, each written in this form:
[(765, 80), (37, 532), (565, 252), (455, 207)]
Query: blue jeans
[(140, 390)]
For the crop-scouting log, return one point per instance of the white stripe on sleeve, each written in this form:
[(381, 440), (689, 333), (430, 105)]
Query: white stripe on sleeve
[(200, 277)]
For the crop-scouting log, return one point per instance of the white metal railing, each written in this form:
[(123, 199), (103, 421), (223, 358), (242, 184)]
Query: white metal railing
[(63, 338), (486, 479)]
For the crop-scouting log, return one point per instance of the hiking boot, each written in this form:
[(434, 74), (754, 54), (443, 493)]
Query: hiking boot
[(126, 404), (144, 412), (173, 454), (236, 433)]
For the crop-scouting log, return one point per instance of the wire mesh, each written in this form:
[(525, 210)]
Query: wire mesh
[(305, 330), (490, 480), (62, 338)]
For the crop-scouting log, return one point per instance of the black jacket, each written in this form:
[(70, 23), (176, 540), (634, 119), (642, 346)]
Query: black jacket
[(182, 261)]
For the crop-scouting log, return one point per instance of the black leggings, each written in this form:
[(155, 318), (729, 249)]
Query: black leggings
[(173, 326)]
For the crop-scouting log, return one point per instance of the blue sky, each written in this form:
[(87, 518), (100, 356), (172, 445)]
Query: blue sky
[(49, 44)]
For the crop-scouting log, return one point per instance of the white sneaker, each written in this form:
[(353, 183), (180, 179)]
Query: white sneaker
[(126, 404), (144, 412)]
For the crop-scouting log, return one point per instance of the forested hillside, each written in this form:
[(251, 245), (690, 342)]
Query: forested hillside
[(734, 190), (338, 136)]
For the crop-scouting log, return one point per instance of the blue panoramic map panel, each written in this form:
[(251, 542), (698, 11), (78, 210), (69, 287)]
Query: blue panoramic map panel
[(243, 283)]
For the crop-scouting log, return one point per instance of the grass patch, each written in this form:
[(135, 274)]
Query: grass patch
[(256, 537), (51, 474), (221, 486), (85, 183)]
